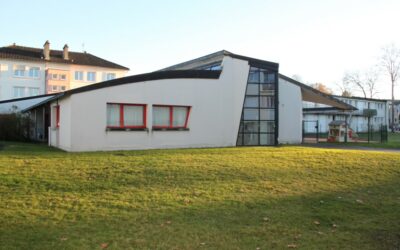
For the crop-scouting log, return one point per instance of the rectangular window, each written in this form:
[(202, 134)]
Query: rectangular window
[(78, 75), (19, 70), (33, 91), (170, 116), (63, 88), (126, 115), (34, 72), (91, 76), (19, 92), (110, 76), (63, 77), (54, 76), (54, 88)]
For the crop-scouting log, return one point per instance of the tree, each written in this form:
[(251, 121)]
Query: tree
[(344, 89), (366, 82), (390, 61), (322, 87)]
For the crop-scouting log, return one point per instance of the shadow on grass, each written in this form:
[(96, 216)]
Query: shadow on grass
[(365, 218)]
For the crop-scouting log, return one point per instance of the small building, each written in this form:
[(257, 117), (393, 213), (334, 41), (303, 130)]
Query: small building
[(357, 119), (27, 71), (219, 100)]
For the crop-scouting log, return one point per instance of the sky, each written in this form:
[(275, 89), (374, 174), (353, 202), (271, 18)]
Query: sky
[(316, 40)]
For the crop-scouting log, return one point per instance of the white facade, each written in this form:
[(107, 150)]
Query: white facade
[(216, 106), (357, 120), (15, 85)]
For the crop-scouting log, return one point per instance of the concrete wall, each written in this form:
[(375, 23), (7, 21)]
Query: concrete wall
[(290, 113), (213, 122)]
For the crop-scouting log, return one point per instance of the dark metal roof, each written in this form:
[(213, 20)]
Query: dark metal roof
[(217, 56), (304, 86), (56, 56), (158, 75), (26, 98)]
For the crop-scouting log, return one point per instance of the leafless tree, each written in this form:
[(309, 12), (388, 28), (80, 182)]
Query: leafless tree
[(345, 89), (390, 61), (365, 82)]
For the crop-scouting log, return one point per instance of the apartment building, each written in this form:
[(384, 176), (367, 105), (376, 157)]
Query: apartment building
[(26, 71), (357, 119)]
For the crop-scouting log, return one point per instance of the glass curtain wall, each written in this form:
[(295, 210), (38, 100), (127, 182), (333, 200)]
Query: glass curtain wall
[(257, 124)]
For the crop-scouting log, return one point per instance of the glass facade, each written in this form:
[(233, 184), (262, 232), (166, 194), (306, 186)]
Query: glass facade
[(258, 121)]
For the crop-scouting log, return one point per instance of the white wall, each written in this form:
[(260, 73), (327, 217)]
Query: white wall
[(8, 81), (213, 122), (290, 113)]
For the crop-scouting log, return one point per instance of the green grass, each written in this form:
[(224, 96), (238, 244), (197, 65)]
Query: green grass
[(392, 143), (229, 198)]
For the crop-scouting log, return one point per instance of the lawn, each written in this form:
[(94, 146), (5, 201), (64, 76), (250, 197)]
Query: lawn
[(229, 198)]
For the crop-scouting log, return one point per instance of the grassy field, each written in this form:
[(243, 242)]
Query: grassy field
[(230, 198)]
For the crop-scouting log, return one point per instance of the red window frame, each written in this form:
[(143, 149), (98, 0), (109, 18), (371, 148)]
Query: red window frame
[(121, 115), (57, 108), (171, 116)]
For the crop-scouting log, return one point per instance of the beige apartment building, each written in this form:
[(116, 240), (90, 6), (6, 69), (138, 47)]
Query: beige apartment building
[(26, 71)]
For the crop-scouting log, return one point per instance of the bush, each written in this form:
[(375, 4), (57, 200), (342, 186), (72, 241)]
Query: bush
[(14, 127)]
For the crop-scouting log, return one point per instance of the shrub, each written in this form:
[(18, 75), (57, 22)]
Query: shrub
[(14, 127)]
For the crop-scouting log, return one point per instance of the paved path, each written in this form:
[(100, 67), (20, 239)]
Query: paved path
[(351, 147)]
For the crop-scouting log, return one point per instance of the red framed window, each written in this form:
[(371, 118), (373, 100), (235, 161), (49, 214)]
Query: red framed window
[(170, 117), (57, 113), (124, 115)]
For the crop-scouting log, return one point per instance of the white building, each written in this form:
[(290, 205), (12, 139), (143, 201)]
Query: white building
[(26, 71), (218, 100), (357, 119)]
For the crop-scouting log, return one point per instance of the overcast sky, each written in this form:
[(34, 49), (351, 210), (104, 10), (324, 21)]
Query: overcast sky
[(317, 40)]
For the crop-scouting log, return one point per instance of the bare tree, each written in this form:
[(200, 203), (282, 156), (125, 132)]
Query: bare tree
[(345, 89), (366, 82), (390, 60)]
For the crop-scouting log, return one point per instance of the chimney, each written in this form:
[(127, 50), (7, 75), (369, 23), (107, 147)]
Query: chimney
[(65, 52), (46, 50)]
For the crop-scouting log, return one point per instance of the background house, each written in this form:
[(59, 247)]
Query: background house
[(357, 119), (26, 71)]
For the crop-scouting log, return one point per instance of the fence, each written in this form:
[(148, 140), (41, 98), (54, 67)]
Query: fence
[(373, 135)]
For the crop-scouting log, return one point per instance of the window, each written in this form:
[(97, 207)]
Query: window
[(110, 76), (54, 76), (126, 115), (57, 115), (63, 77), (78, 75), (19, 92), (33, 91), (34, 72), (54, 88), (63, 88), (170, 117), (91, 76), (19, 70)]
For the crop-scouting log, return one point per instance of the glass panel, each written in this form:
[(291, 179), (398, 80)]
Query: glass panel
[(252, 89), (267, 89), (267, 101), (254, 76), (267, 114), (179, 116), (267, 77), (267, 127), (241, 127), (250, 114), (161, 116), (251, 127), (250, 139), (133, 115), (251, 102), (267, 139), (239, 141), (113, 115)]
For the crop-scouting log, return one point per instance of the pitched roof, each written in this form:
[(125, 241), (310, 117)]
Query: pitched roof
[(56, 56)]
